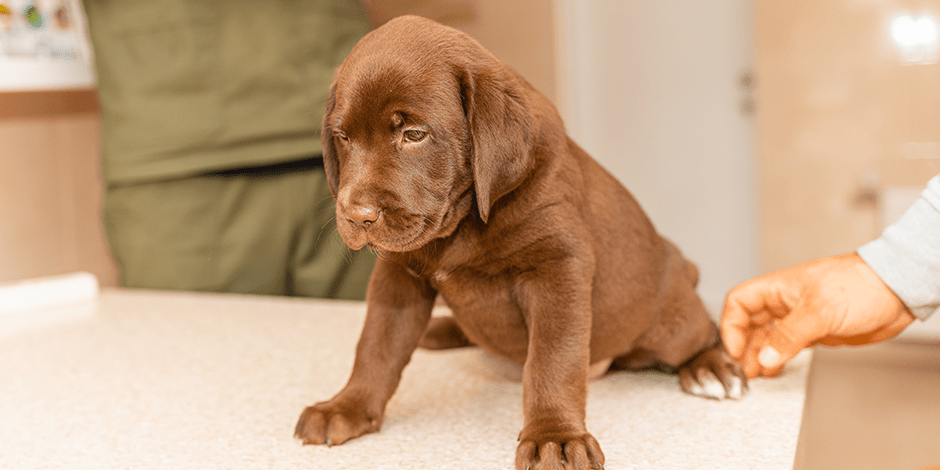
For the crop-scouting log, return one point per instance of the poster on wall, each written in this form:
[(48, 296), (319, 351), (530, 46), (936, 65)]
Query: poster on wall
[(43, 46)]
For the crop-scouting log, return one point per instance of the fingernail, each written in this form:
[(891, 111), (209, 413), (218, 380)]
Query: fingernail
[(768, 357)]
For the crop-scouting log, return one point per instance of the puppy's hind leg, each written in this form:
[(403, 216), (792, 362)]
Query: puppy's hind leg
[(687, 340), (443, 333)]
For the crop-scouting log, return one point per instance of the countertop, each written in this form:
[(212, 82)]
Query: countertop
[(141, 380)]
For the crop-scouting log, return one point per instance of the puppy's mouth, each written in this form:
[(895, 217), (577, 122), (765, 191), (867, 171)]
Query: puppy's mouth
[(391, 232), (397, 242)]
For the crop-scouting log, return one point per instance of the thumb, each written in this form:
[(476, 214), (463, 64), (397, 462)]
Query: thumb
[(787, 337)]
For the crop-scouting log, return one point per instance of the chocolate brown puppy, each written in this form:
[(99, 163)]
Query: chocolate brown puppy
[(461, 177)]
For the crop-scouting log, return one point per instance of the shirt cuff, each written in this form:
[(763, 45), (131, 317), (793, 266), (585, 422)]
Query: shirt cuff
[(907, 256)]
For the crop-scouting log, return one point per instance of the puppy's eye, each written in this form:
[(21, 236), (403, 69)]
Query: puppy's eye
[(414, 135)]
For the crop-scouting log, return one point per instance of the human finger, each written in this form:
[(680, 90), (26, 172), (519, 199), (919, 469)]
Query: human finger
[(787, 337), (749, 306)]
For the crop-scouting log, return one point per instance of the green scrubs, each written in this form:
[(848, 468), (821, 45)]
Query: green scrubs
[(210, 116)]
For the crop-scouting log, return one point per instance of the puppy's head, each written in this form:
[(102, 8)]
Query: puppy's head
[(422, 123)]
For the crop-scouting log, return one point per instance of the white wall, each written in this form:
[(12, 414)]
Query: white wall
[(652, 90)]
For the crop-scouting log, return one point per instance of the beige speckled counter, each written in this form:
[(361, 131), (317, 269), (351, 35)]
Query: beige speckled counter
[(150, 380)]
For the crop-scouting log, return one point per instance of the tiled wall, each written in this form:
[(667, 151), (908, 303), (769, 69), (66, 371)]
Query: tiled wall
[(838, 115), (50, 187)]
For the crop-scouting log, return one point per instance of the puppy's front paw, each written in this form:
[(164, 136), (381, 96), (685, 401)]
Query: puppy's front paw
[(558, 447), (335, 422), (713, 374)]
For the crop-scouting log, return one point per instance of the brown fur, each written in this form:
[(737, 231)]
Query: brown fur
[(542, 255)]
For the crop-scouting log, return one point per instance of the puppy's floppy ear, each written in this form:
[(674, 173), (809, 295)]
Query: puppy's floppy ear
[(501, 132), (330, 160)]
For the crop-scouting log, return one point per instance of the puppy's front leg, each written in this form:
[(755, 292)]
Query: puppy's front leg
[(554, 378), (399, 308)]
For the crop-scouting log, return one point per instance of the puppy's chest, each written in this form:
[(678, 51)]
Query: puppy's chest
[(485, 306), (460, 260), (467, 281), (467, 286)]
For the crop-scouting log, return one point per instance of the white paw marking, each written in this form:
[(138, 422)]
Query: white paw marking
[(736, 390), (696, 389), (711, 386), (707, 385)]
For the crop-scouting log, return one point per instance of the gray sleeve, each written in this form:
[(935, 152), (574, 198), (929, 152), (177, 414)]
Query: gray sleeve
[(907, 256)]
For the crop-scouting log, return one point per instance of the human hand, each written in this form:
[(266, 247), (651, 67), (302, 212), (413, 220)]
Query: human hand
[(832, 301)]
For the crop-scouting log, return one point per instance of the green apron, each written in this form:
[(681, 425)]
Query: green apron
[(192, 88)]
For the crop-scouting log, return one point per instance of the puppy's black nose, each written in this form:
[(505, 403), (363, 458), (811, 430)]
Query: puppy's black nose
[(363, 216)]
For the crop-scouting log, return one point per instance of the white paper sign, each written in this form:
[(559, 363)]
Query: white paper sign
[(43, 46)]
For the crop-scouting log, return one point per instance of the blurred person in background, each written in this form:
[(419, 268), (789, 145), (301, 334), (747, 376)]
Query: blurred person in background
[(210, 117), (853, 299)]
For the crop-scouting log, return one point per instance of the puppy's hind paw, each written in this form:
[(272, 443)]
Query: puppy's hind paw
[(713, 374)]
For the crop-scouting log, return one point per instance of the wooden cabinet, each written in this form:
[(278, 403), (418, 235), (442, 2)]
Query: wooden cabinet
[(50, 186)]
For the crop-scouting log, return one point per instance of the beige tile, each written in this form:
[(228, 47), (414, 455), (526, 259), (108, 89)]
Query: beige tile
[(834, 105)]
